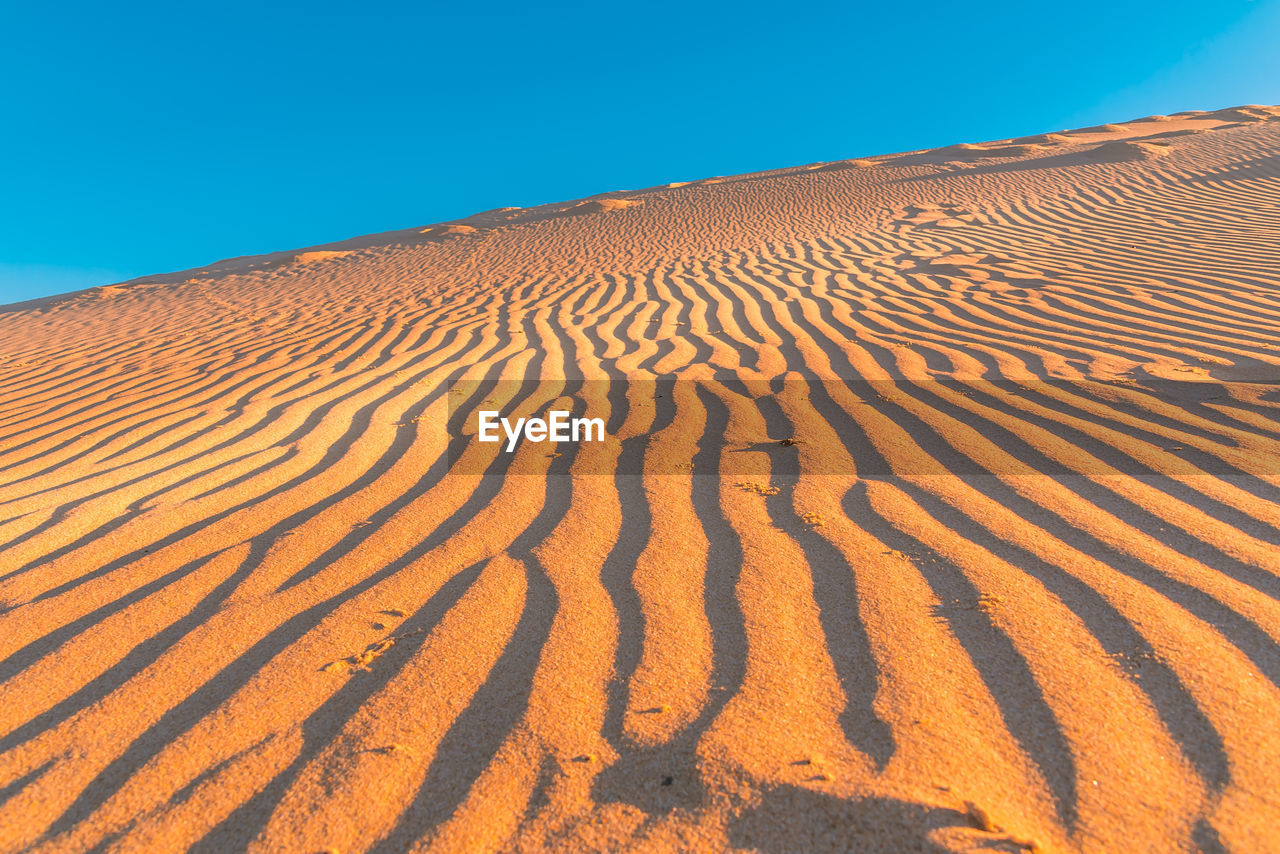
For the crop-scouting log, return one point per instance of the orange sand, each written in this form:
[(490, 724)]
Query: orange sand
[(243, 606)]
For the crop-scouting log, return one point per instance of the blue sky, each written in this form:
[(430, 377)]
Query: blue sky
[(148, 137)]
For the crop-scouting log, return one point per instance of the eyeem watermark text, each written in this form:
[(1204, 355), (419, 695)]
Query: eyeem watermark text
[(558, 426)]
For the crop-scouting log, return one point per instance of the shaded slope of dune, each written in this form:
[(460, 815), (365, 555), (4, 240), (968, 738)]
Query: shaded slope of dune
[(246, 602)]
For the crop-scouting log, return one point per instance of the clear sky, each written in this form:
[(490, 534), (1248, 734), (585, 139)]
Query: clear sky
[(142, 138)]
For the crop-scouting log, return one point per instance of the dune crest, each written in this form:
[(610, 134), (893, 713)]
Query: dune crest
[(448, 230)]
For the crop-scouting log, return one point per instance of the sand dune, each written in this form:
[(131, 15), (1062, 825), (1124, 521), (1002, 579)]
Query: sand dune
[(968, 540)]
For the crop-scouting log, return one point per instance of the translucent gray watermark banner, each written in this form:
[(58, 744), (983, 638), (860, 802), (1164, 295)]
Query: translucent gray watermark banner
[(791, 425)]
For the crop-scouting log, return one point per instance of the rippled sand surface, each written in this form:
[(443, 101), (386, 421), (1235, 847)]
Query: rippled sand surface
[(250, 596)]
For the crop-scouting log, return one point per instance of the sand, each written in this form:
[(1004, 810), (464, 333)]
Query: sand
[(246, 604)]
